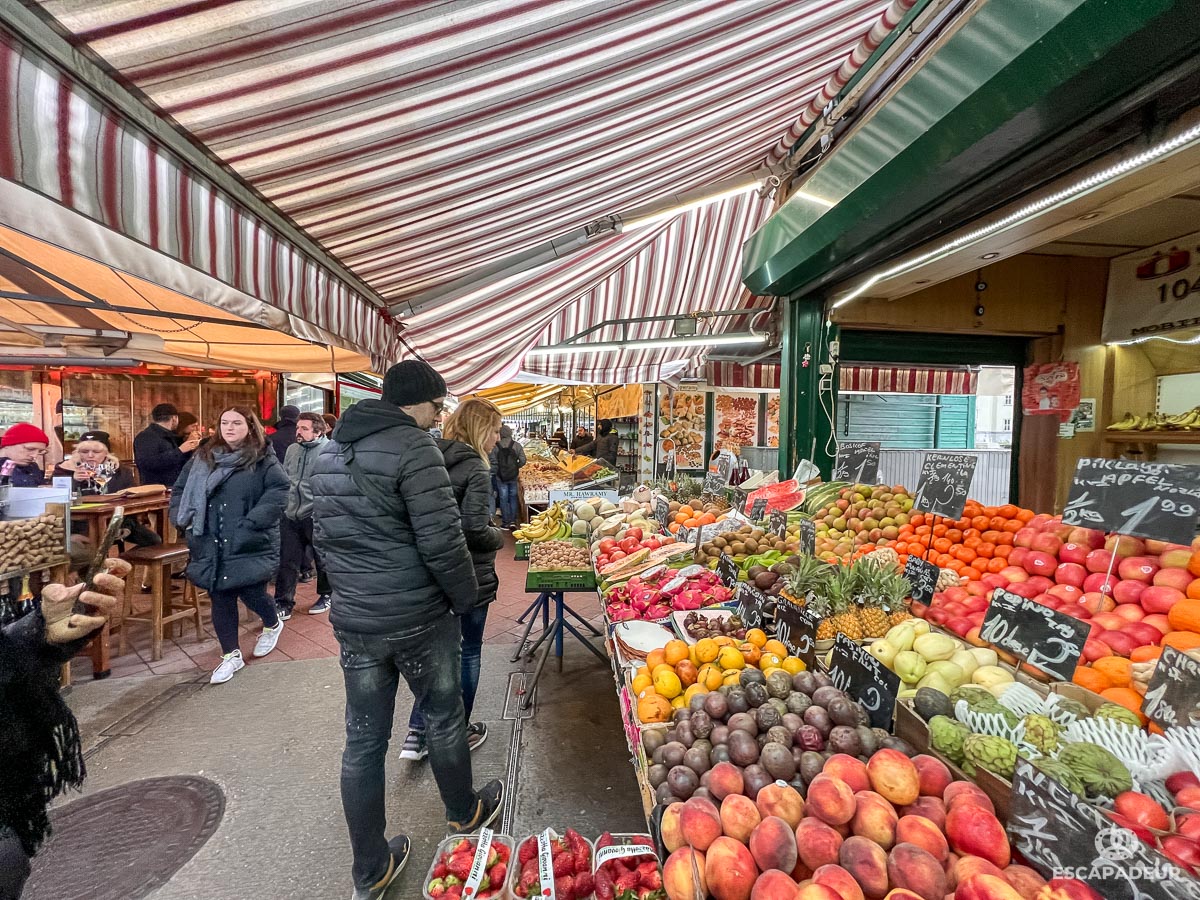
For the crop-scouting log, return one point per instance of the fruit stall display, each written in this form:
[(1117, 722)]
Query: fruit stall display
[(749, 545)]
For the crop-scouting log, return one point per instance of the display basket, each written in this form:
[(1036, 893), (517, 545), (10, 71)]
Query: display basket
[(505, 892), (514, 873)]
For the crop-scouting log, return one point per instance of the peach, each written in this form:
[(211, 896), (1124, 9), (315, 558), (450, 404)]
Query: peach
[(817, 892), (840, 880), (911, 867), (1069, 889), (700, 823), (901, 894), (775, 885), (867, 864), (969, 792), (1024, 880), (773, 845), (933, 774), (724, 779), (830, 800), (966, 867), (874, 818), (682, 880), (801, 872), (849, 769), (817, 843), (985, 887), (951, 870), (972, 829), (780, 799), (672, 833), (894, 776), (925, 834), (739, 817), (729, 869), (930, 808)]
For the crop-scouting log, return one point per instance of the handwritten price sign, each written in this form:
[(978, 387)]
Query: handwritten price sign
[(1149, 500)]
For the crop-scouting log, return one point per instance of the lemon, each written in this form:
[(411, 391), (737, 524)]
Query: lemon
[(666, 683)]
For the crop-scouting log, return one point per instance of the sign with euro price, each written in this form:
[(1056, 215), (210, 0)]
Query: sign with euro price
[(778, 524), (944, 484), (1043, 637), (751, 603), (1159, 501), (662, 512), (758, 509), (857, 462), (727, 570), (855, 671), (1173, 695), (796, 629), (923, 577), (1063, 836)]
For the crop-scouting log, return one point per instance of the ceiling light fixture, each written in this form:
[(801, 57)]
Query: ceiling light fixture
[(989, 256), (1037, 207), (700, 340)]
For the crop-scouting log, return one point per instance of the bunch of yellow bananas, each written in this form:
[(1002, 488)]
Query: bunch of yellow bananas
[(550, 525), (1188, 421)]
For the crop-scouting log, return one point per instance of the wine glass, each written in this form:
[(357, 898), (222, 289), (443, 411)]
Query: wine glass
[(103, 474)]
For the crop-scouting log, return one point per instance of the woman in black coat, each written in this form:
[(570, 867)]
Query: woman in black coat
[(470, 434), (228, 501)]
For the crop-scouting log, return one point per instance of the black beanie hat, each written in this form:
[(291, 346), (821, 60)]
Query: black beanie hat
[(101, 436), (411, 382)]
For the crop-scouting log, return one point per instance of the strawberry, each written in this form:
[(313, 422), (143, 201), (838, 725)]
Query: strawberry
[(452, 880), (497, 872), (584, 885), (460, 865), (650, 894), (564, 887), (643, 839), (485, 882), (440, 870), (435, 888), (454, 893), (648, 869), (527, 851), (564, 865), (626, 882), (604, 884), (463, 846), (652, 879), (530, 865), (529, 883), (502, 851), (583, 858), (606, 840)]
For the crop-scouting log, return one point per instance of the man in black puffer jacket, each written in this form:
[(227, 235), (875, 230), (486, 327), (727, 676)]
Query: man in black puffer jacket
[(389, 532)]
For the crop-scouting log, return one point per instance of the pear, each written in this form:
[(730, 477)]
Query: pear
[(910, 666), (884, 651)]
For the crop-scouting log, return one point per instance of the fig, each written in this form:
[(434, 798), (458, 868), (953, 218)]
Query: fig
[(682, 781)]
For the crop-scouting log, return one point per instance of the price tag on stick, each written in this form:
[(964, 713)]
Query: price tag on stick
[(727, 569), (750, 602), (1150, 500), (778, 524), (857, 461), (796, 629), (662, 512), (923, 576), (808, 537), (1043, 637), (1173, 696), (944, 484), (758, 509), (866, 679)]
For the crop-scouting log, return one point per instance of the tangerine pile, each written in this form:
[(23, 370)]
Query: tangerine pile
[(978, 543), (676, 673), (687, 516)]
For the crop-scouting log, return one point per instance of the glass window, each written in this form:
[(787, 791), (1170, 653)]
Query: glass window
[(305, 397), (216, 397), (98, 402), (182, 393), (348, 395), (16, 398)]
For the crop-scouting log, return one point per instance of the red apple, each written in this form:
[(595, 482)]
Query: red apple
[(1013, 574), (1175, 578), (1095, 649), (1017, 557), (1070, 573), (1130, 612), (1181, 780), (977, 588), (1099, 561), (1100, 582), (1121, 643), (956, 594), (1095, 602), (1160, 599), (1137, 568), (991, 581), (1145, 635), (1087, 537), (1128, 591), (1041, 583), (1108, 622), (1024, 537), (1041, 563), (1068, 593), (1159, 621), (1025, 590), (1074, 553), (1046, 543), (960, 626), (1188, 796), (1125, 546)]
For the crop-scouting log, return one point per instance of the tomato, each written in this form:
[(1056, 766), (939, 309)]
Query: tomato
[(635, 533), (615, 555), (608, 545), (631, 545), (1143, 810), (652, 543), (602, 561)]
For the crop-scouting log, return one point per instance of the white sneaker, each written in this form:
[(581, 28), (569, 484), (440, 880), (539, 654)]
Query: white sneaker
[(230, 663), (268, 639)]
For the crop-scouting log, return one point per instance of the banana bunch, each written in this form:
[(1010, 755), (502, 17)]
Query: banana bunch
[(1188, 421), (553, 524)]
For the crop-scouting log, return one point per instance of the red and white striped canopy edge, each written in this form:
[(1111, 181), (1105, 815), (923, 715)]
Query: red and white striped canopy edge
[(862, 52), (417, 141), (907, 380), (756, 376)]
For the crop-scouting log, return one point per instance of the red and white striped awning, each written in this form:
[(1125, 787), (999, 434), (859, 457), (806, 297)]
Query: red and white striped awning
[(907, 380), (417, 141), (760, 376)]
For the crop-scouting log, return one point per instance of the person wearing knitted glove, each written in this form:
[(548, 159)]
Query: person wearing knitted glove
[(40, 751)]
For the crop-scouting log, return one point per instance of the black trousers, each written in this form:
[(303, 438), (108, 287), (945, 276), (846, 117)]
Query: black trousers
[(14, 866), (294, 536)]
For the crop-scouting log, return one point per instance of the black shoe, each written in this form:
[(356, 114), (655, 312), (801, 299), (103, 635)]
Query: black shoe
[(399, 847), (476, 734), (488, 801), (306, 577), (321, 606), (284, 612)]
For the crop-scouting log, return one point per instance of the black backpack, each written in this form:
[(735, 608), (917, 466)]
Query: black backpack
[(507, 466)]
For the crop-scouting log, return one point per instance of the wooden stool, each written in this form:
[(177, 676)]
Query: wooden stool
[(164, 610)]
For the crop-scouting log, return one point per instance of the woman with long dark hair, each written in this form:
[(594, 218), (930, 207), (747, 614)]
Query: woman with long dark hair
[(228, 501)]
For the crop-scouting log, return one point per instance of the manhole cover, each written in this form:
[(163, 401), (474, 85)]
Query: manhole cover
[(122, 843)]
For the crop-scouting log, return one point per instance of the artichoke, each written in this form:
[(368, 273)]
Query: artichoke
[(992, 753), (1041, 732), (1102, 773), (1060, 772), (1118, 713), (946, 736)]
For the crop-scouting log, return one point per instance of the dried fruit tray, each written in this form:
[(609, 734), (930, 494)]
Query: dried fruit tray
[(504, 892)]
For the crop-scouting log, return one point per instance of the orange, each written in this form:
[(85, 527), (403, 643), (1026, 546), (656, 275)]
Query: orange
[(757, 637), (793, 665), (1126, 697), (652, 707), (692, 691), (655, 658), (1092, 679), (710, 676), (675, 652), (707, 519), (722, 640), (707, 650), (770, 661), (1117, 669), (731, 658), (678, 702), (750, 653), (667, 683), (686, 511), (640, 683), (642, 670)]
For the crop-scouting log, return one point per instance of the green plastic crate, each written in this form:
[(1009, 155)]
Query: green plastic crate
[(536, 582), (522, 550)]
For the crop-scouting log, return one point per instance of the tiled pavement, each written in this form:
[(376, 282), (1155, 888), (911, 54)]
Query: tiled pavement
[(311, 637)]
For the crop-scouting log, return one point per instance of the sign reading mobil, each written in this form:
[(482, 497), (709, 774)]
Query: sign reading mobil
[(1154, 291)]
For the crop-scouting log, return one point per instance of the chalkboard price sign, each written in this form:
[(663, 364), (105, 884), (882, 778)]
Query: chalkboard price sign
[(1173, 697), (751, 604), (687, 535), (778, 524), (662, 512), (944, 484), (808, 537), (923, 576), (1062, 836), (727, 570), (796, 629), (1150, 500), (857, 461), (866, 679), (1046, 639), (758, 509)]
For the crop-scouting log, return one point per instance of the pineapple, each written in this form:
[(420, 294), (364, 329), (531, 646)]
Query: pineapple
[(896, 591), (845, 619), (807, 578), (870, 579)]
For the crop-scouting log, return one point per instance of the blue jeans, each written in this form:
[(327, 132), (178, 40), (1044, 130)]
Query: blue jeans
[(472, 650), (427, 657), (508, 502)]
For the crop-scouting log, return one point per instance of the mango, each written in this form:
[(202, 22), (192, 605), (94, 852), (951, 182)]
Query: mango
[(883, 651)]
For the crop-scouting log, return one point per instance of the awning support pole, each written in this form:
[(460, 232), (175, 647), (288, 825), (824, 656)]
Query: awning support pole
[(806, 405)]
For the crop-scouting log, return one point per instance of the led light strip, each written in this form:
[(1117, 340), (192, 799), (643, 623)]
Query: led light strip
[(1038, 206), (1156, 337)]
